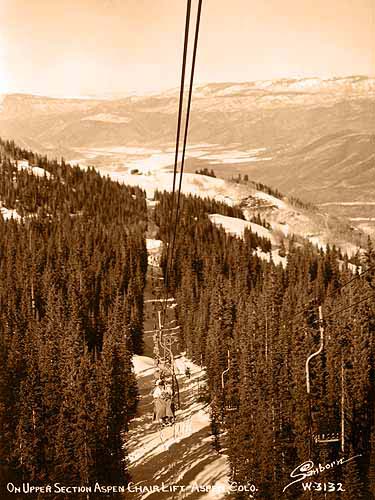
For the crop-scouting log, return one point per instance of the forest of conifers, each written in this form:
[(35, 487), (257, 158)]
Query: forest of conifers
[(73, 273), (71, 316), (231, 302)]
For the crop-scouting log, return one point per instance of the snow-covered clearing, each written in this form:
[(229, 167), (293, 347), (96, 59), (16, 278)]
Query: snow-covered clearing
[(152, 244), (153, 162), (272, 200), (171, 299), (274, 254), (216, 475), (284, 218), (151, 203), (39, 172), (316, 240), (353, 268), (235, 226), (146, 159), (228, 157), (180, 454), (195, 184)]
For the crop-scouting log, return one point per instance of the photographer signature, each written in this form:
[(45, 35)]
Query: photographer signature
[(308, 469)]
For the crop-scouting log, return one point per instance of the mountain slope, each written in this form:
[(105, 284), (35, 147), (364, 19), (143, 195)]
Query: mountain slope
[(310, 138)]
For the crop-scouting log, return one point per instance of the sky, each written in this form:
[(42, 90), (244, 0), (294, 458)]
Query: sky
[(98, 47)]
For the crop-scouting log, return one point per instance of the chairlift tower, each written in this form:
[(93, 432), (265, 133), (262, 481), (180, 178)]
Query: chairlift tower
[(326, 437)]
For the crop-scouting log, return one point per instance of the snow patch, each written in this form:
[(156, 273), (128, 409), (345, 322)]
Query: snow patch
[(359, 219), (195, 184), (39, 172), (271, 199), (215, 475), (274, 254), (154, 250), (9, 214), (315, 240), (181, 365), (151, 203), (152, 441), (107, 118), (232, 156), (237, 227), (283, 228), (142, 364), (153, 162)]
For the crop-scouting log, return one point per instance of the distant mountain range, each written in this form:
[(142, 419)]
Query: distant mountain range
[(308, 137)]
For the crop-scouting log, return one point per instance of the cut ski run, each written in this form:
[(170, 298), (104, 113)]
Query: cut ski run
[(179, 455)]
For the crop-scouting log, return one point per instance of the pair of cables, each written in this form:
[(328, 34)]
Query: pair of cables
[(337, 290), (176, 190)]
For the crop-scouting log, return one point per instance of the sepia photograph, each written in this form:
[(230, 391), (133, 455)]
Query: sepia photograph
[(187, 249)]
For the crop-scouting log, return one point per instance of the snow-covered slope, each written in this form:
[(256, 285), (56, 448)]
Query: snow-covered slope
[(39, 172), (162, 179), (284, 218), (142, 365), (155, 454), (237, 226), (283, 132)]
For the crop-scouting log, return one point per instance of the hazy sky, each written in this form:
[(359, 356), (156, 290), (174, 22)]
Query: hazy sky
[(81, 47)]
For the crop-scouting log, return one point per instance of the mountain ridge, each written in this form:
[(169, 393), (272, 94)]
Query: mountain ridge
[(362, 82)]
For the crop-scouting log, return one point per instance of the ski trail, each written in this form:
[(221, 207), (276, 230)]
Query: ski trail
[(176, 455), (180, 454)]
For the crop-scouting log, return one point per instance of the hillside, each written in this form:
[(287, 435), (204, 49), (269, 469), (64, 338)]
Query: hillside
[(73, 263), (82, 288), (285, 216), (310, 138)]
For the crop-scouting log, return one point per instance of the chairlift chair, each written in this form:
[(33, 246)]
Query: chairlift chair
[(331, 437)]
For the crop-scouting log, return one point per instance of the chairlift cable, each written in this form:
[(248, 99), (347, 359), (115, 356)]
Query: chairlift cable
[(173, 229), (171, 245), (306, 309), (335, 312), (187, 119), (178, 133), (179, 120)]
